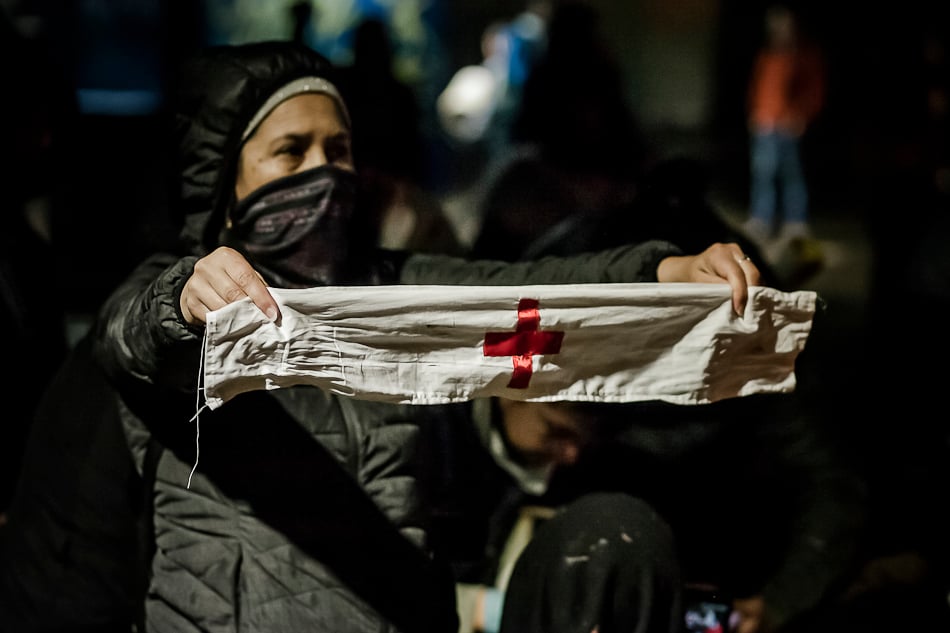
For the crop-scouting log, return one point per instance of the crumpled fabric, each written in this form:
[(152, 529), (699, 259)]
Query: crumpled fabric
[(618, 342)]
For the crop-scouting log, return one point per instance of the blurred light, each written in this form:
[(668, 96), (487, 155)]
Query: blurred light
[(118, 102), (467, 104)]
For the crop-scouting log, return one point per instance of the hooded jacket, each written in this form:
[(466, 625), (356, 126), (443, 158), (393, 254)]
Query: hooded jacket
[(294, 509)]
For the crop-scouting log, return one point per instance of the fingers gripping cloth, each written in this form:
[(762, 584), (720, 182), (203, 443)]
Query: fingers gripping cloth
[(678, 342)]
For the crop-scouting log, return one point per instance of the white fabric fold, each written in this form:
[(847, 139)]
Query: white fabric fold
[(677, 342)]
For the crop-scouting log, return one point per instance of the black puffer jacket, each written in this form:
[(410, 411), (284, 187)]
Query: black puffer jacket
[(303, 512)]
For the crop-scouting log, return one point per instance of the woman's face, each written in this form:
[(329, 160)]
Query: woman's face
[(303, 132)]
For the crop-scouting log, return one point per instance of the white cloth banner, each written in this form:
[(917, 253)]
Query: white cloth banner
[(678, 342)]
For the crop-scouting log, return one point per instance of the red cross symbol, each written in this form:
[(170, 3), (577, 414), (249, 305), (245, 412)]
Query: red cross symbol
[(526, 341)]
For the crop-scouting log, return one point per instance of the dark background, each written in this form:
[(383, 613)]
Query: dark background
[(686, 65)]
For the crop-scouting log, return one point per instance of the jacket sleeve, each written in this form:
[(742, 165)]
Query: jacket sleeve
[(629, 264), (140, 336)]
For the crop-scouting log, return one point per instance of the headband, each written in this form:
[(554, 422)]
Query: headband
[(296, 87)]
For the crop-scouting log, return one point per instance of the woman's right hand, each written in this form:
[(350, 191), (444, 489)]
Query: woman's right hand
[(222, 277)]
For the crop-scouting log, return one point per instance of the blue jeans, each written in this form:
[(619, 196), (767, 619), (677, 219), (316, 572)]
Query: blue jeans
[(777, 171)]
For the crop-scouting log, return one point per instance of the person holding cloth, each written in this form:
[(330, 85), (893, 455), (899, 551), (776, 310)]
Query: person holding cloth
[(305, 511), (786, 93)]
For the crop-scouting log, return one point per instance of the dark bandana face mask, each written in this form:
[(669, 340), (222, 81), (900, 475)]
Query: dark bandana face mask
[(298, 231)]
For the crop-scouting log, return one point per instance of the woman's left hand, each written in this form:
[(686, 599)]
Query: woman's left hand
[(720, 263)]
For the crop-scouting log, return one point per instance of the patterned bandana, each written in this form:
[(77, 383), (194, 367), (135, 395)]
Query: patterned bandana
[(298, 231)]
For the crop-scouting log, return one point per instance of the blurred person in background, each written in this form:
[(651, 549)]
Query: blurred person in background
[(786, 93), (388, 146)]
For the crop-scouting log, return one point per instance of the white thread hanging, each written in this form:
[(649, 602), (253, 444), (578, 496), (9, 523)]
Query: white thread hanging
[(198, 408)]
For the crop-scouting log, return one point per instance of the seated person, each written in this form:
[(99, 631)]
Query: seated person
[(613, 510)]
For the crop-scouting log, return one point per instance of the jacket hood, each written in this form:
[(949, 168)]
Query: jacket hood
[(219, 92)]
